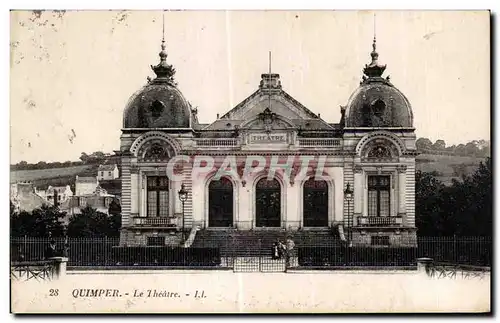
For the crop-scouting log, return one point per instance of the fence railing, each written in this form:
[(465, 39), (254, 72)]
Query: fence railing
[(379, 221), (255, 250)]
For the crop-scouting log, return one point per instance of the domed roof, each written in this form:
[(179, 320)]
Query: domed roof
[(159, 104), (377, 102)]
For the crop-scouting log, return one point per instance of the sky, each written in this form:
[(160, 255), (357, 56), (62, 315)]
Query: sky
[(72, 73)]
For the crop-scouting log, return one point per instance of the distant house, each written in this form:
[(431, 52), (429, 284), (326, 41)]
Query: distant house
[(88, 192), (98, 200), (24, 197), (56, 194), (85, 185), (107, 172), (113, 187)]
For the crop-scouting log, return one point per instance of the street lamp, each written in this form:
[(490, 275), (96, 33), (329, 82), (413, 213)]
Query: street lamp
[(183, 195), (348, 193)]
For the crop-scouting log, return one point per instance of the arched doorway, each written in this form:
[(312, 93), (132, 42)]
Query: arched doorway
[(268, 203), (315, 198), (220, 203)]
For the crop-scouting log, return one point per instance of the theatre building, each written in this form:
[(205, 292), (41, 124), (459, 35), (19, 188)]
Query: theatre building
[(354, 179)]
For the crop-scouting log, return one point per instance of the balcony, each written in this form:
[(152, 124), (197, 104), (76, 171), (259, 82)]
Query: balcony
[(377, 221), (319, 142), (156, 222), (217, 142)]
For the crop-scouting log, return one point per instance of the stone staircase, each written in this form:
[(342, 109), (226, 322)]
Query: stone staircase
[(232, 242)]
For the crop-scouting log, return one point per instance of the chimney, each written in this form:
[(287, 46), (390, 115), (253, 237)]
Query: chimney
[(270, 81)]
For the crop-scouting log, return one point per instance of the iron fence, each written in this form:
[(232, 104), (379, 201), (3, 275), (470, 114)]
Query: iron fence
[(257, 252)]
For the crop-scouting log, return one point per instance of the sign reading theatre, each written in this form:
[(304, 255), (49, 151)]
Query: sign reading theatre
[(268, 138)]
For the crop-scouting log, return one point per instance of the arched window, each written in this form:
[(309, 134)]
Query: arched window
[(220, 203), (315, 198), (268, 203)]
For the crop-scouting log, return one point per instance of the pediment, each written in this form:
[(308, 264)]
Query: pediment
[(246, 114), (278, 101), (267, 121)]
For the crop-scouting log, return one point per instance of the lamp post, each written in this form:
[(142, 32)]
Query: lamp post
[(183, 195), (348, 193)]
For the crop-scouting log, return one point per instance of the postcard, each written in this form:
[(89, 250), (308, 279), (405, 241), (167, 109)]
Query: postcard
[(218, 161)]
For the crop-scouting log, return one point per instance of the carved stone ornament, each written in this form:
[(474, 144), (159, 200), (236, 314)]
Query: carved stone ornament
[(379, 152), (401, 168), (267, 118), (358, 169)]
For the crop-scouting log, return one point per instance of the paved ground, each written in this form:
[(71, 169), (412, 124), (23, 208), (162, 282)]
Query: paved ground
[(251, 292)]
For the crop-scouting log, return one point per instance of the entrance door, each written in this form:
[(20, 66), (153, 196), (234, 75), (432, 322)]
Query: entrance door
[(220, 203), (268, 203), (315, 203)]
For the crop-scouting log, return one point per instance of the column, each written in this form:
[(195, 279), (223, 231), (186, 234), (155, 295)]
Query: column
[(358, 190), (402, 190), (134, 191), (142, 194), (292, 213), (245, 210)]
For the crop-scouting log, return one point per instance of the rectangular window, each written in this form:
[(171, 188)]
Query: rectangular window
[(379, 197), (109, 173), (157, 203)]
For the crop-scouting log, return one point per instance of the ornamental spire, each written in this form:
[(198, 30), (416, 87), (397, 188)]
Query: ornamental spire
[(164, 72), (374, 69)]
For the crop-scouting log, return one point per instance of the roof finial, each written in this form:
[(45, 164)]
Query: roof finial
[(269, 76), (163, 53), (164, 70), (374, 69), (269, 62), (163, 33)]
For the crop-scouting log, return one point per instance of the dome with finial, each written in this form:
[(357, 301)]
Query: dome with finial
[(159, 104), (377, 102)]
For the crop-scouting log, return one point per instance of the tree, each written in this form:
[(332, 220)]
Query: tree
[(439, 145), (462, 209), (115, 217), (91, 223), (460, 150), (84, 157), (474, 194), (43, 222), (423, 144), (471, 149), (428, 203)]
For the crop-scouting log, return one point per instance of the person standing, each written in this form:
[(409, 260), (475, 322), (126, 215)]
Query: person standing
[(51, 250), (289, 245)]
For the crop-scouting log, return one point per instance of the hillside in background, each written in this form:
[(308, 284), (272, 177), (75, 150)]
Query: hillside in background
[(448, 162), (42, 178), (44, 174), (448, 167)]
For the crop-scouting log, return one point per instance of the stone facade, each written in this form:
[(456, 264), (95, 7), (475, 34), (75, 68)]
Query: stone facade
[(370, 152)]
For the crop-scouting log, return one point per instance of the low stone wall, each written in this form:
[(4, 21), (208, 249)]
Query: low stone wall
[(397, 238), (131, 238)]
